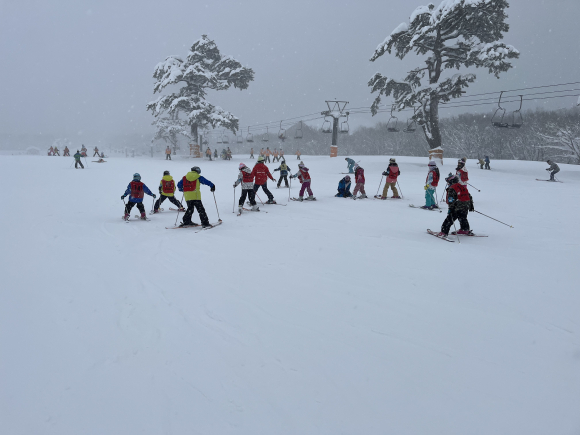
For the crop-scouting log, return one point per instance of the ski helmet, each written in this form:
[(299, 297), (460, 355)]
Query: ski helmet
[(136, 176), (460, 163), (196, 169), (432, 163), (260, 159), (242, 165), (452, 179), (392, 160), (165, 172)]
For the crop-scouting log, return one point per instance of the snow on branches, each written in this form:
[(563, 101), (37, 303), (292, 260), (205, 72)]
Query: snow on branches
[(566, 140), (455, 34), (203, 69)]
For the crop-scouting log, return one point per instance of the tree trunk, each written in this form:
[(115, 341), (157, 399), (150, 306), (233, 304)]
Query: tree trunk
[(194, 133), (435, 140)]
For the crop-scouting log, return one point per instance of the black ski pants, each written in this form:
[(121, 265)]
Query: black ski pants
[(554, 172), (131, 204), (163, 198), (487, 166), (267, 159), (264, 188), (251, 196), (252, 156), (191, 206), (285, 177), (454, 214), (78, 162), (167, 156)]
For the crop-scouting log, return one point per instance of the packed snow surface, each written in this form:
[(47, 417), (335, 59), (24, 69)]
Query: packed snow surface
[(330, 317)]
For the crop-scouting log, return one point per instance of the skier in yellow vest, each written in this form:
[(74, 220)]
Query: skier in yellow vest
[(167, 191), (190, 186)]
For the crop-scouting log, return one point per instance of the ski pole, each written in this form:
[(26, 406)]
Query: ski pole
[(178, 210), (216, 207), (290, 188), (86, 163), (436, 199), (234, 204), (446, 186), (259, 198), (474, 187), (456, 235), (71, 164), (493, 218), (400, 189), (382, 176)]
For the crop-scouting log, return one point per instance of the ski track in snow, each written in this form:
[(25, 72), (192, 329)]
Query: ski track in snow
[(336, 316)]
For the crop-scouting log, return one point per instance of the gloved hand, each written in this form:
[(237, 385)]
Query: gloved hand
[(235, 185), (154, 196), (471, 208), (547, 169), (426, 187), (213, 188), (385, 173), (123, 197)]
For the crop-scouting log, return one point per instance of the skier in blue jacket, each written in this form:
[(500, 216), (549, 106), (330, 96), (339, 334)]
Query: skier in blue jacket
[(135, 190), (350, 163), (344, 188)]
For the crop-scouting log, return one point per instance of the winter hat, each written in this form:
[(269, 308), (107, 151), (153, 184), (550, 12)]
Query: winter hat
[(196, 169), (392, 160), (242, 166), (347, 178), (432, 163), (452, 179), (260, 159), (136, 176), (165, 172), (301, 165)]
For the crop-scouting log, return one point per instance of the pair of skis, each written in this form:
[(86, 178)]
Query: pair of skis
[(552, 181), (196, 225), (255, 211), (304, 200), (447, 239), (423, 208)]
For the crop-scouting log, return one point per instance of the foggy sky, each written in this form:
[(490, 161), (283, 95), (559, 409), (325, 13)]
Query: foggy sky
[(83, 69)]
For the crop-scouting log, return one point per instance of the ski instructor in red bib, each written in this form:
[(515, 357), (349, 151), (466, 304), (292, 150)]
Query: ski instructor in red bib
[(460, 203)]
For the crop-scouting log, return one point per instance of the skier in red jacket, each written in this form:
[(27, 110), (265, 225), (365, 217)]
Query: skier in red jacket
[(261, 173)]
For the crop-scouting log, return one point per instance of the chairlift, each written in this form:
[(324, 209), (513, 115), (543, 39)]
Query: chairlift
[(225, 138), (411, 124), (499, 123), (250, 136), (239, 138), (392, 125), (344, 127), (326, 126), (219, 139), (517, 119), (265, 137), (298, 133), (282, 133)]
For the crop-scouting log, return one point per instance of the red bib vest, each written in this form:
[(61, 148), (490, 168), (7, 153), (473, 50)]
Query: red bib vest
[(247, 177), (462, 192), (136, 189), (168, 186), (189, 186), (435, 177)]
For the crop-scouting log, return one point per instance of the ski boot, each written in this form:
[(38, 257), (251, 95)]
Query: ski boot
[(310, 198), (143, 216), (300, 198), (255, 208), (427, 208), (206, 225), (240, 209), (465, 232), (396, 197), (363, 196), (271, 201), (126, 217), (442, 235), (155, 211), (383, 198)]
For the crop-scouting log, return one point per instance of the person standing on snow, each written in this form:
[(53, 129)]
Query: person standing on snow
[(461, 172), (392, 173), (51, 151), (83, 151), (96, 150), (351, 164), (487, 162), (261, 173), (167, 153), (135, 190), (359, 178), (344, 188), (554, 168), (208, 153), (246, 178), (77, 157), (190, 186), (66, 152), (284, 169), (460, 203), (56, 152), (167, 191), (276, 156), (251, 153), (268, 153), (431, 185), (298, 154), (304, 178), (215, 154), (481, 163)]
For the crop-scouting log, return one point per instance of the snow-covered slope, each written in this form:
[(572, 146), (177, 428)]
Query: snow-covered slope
[(330, 317)]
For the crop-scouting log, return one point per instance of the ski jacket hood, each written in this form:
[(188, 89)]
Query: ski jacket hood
[(246, 178)]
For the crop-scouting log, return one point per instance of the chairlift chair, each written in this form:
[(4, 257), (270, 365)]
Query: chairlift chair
[(250, 136), (392, 125), (344, 127), (499, 123), (282, 133), (219, 139), (239, 138), (298, 132), (265, 137), (411, 124), (225, 138), (326, 126), (517, 119)]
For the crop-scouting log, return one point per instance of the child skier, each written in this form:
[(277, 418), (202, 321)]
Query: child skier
[(431, 185), (51, 151), (359, 178), (481, 163), (215, 154), (56, 152), (284, 169), (392, 173), (190, 186), (461, 172), (135, 190), (460, 203), (167, 191), (351, 163), (96, 150), (168, 153), (304, 178), (246, 178), (268, 153), (344, 188), (208, 153), (554, 168), (487, 162), (77, 157), (276, 156), (66, 152), (261, 173), (298, 154), (251, 153)]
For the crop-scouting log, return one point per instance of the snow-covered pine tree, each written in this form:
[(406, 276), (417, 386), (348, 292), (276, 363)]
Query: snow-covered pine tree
[(564, 141), (168, 130), (455, 34), (203, 69)]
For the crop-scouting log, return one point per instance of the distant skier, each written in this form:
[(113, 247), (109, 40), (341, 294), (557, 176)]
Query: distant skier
[(246, 178), (298, 154), (251, 153), (268, 153), (229, 154), (481, 163), (487, 162), (215, 154), (276, 156), (351, 163), (261, 173), (461, 172), (284, 169), (83, 151), (344, 188), (96, 154), (392, 173), (77, 157), (167, 153), (66, 152), (136, 190), (51, 151), (359, 178), (554, 168), (190, 186), (56, 152), (208, 153), (460, 203), (282, 154), (167, 191), (431, 185), (304, 178)]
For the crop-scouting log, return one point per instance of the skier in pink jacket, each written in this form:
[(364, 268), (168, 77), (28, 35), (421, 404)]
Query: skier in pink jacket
[(359, 177)]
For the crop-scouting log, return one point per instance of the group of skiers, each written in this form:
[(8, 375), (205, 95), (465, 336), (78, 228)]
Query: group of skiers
[(54, 151), (392, 173), (484, 162)]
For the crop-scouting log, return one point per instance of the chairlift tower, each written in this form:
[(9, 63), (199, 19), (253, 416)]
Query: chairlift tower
[(336, 111)]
